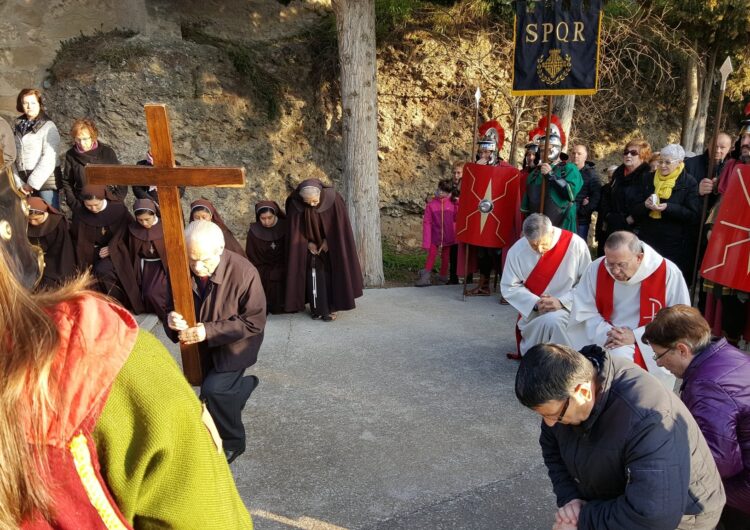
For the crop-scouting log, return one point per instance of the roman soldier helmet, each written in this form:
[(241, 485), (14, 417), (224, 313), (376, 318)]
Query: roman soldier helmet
[(491, 138), (25, 260), (556, 132), (745, 123)]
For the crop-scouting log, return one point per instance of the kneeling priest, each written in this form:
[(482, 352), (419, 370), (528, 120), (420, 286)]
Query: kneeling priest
[(541, 271), (619, 294)]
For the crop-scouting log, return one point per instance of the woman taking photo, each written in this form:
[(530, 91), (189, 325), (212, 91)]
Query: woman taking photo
[(668, 209), (87, 150), (37, 140)]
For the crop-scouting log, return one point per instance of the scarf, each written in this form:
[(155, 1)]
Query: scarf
[(94, 146), (663, 185), (24, 125)]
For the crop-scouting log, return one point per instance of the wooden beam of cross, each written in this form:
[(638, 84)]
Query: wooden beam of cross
[(166, 176)]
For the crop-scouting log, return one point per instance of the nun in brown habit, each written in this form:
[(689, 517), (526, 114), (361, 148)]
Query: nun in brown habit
[(266, 249), (323, 268), (149, 253), (48, 229), (100, 235), (203, 210)]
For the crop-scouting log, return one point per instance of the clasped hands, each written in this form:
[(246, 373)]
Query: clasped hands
[(186, 334), (313, 248), (566, 517), (547, 304), (617, 337)]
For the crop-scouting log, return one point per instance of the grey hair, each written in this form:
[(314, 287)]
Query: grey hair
[(309, 191), (673, 152), (536, 226), (618, 239), (204, 231)]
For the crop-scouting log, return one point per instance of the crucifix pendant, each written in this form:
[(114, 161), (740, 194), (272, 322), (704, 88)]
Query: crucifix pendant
[(104, 230), (273, 245)]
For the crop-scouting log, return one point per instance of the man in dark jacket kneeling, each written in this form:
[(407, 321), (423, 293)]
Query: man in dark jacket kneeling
[(622, 451)]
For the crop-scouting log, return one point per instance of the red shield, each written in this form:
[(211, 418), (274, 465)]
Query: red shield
[(488, 212), (727, 258)]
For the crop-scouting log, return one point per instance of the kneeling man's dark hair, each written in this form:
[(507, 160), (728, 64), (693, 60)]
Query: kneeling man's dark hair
[(550, 372)]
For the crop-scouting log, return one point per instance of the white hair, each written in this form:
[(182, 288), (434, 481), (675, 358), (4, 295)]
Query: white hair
[(309, 191), (204, 232), (673, 152), (536, 226)]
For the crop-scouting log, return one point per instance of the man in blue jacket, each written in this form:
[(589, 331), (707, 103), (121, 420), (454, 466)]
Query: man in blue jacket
[(622, 451), (716, 389)]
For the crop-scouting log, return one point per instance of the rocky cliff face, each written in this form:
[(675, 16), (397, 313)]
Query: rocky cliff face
[(252, 83)]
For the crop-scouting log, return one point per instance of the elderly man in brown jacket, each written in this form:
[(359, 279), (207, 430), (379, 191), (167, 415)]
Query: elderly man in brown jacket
[(230, 308)]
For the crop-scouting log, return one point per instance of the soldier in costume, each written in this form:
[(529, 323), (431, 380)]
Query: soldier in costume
[(481, 257), (726, 309), (564, 180)]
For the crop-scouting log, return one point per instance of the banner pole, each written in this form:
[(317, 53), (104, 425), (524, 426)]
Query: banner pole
[(545, 157), (725, 70), (466, 266), (473, 150)]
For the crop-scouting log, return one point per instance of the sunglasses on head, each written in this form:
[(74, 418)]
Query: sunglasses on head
[(631, 152)]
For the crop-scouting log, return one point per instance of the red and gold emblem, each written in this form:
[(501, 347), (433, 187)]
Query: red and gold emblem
[(727, 258), (489, 205)]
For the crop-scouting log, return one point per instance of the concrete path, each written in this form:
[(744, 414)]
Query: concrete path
[(401, 414)]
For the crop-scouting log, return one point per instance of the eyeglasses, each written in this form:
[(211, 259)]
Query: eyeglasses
[(631, 152), (619, 266), (560, 416), (665, 162), (658, 356)]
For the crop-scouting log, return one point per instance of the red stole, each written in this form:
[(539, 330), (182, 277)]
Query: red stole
[(547, 265), (653, 291)]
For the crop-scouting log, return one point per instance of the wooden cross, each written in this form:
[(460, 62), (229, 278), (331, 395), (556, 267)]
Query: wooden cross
[(167, 177)]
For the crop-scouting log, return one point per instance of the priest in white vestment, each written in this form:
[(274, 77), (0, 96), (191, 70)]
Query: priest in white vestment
[(622, 292), (541, 271)]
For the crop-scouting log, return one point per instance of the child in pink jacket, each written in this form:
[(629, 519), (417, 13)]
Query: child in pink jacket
[(438, 232)]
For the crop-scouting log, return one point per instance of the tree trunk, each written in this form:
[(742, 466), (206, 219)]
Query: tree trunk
[(691, 101), (518, 111), (705, 101), (563, 107), (355, 26)]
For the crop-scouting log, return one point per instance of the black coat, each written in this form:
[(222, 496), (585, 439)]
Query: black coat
[(233, 311), (74, 174), (697, 166), (625, 190), (639, 460), (592, 186), (674, 235)]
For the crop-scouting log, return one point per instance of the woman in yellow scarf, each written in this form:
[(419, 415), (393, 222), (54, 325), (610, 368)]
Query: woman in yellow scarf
[(670, 209)]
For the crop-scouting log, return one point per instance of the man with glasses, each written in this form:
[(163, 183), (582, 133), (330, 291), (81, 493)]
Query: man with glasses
[(622, 452), (619, 294), (715, 388)]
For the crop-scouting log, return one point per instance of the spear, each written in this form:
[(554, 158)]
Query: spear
[(725, 70), (477, 97), (545, 155)]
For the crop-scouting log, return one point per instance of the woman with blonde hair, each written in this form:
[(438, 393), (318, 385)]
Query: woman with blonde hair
[(87, 439)]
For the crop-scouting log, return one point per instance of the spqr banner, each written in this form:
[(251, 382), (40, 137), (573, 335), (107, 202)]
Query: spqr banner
[(556, 46)]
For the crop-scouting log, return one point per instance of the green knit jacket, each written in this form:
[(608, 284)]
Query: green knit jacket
[(156, 454)]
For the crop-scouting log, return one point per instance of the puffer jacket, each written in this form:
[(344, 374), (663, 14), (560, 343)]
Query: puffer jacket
[(716, 389), (36, 153), (592, 189), (639, 460), (439, 222)]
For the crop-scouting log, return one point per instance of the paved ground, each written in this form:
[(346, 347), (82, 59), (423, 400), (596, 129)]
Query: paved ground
[(400, 414)]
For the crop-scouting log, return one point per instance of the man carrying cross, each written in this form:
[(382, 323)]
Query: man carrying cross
[(231, 313)]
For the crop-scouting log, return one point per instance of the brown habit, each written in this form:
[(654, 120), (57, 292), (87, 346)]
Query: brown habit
[(53, 238), (266, 249), (108, 228), (341, 263), (149, 254)]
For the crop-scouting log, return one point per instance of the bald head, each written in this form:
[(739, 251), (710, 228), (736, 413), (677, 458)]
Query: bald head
[(720, 149), (618, 240), (205, 244)]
